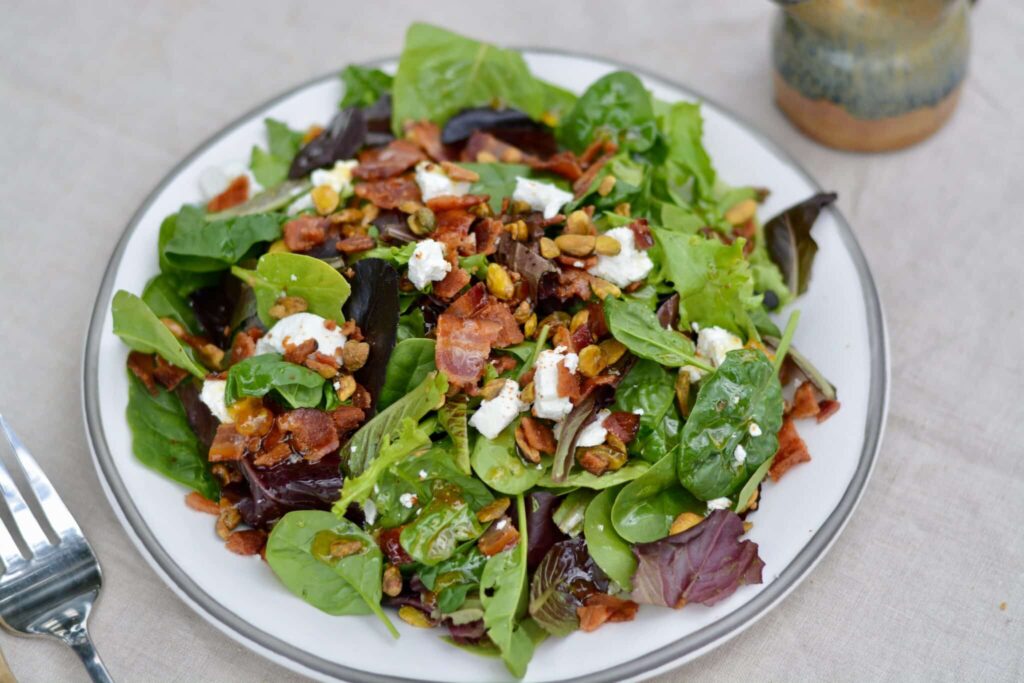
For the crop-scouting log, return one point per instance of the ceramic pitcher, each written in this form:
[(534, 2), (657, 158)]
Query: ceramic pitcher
[(870, 75)]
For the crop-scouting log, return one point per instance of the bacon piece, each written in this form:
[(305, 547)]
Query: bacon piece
[(642, 236), (142, 366), (581, 338), (228, 445), (568, 383), (563, 163), (538, 435), (453, 229), (488, 233), (312, 431), (454, 281), (355, 244), (623, 425), (792, 450), (168, 375), (592, 383), (304, 233), (390, 193), (201, 503), (271, 455), (246, 542), (347, 418), (492, 149), (578, 262), (805, 402), (503, 364), (244, 345), (237, 192), (596, 320), (427, 136), (394, 158), (572, 283), (447, 202), (298, 353), (582, 184), (467, 331), (828, 409), (601, 608)]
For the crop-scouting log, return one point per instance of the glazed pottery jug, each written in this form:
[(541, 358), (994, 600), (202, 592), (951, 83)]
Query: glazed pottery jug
[(870, 75)]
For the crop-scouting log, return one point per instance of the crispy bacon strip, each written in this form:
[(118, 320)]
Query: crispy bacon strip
[(582, 184), (454, 281), (642, 234), (623, 425), (563, 163), (453, 229), (792, 450), (601, 608), (427, 136), (396, 157), (492, 149), (312, 431), (142, 366), (228, 445), (448, 202), (304, 233), (390, 193), (488, 233), (347, 419), (538, 435), (466, 332), (237, 192), (805, 402)]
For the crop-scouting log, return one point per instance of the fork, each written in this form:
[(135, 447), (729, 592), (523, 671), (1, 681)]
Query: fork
[(50, 592)]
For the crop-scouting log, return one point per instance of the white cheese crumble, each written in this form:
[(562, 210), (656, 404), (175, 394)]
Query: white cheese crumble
[(428, 264), (338, 178), (213, 396), (740, 454), (216, 179), (434, 182), (594, 433), (407, 500), (628, 266), (495, 414), (370, 511), (541, 196), (754, 429), (713, 343), (296, 329), (548, 403), (719, 504)]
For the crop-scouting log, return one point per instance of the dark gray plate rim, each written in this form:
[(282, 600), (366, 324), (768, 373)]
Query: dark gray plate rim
[(688, 646)]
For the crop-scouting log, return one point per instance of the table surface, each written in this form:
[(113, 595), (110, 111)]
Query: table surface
[(927, 582)]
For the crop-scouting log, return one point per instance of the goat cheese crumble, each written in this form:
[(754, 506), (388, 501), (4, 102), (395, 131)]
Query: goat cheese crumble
[(434, 182), (548, 403), (428, 264), (626, 267), (541, 196), (594, 433), (297, 328), (338, 178), (719, 504), (713, 343), (212, 395), (740, 454), (495, 414)]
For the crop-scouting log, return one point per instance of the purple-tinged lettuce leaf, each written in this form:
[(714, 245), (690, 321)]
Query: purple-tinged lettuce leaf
[(566, 577), (789, 241), (703, 564)]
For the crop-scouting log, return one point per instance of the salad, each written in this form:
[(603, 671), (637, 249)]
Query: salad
[(479, 353)]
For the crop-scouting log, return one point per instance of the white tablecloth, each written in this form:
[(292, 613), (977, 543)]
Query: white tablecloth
[(99, 100)]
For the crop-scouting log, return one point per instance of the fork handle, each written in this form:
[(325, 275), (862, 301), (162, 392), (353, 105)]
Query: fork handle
[(80, 642)]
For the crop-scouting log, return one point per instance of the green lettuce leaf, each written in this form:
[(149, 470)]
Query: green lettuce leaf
[(294, 385), (141, 330), (411, 361), (616, 106), (203, 246), (363, 85), (278, 274)]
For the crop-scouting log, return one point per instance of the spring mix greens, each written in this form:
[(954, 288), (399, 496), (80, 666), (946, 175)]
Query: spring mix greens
[(479, 349)]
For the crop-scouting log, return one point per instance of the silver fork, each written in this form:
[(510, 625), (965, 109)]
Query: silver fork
[(51, 592)]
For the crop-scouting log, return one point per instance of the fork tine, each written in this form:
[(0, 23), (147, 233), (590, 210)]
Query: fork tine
[(57, 514), (9, 552), (24, 520)]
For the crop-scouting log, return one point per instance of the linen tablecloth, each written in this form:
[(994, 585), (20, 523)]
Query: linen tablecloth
[(99, 100)]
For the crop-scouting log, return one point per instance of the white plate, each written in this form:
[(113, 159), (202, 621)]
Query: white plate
[(841, 329)]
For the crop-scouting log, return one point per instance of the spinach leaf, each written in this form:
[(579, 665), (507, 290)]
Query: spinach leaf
[(498, 464), (398, 446), (502, 592), (789, 241), (585, 480), (299, 552), (453, 419), (440, 73), (410, 362), (269, 373), (497, 180), (411, 325), (203, 246), (611, 553), (270, 167), (616, 106), (366, 443), (569, 515), (141, 330), (278, 274), (163, 440), (645, 508), (713, 280), (684, 130), (743, 391), (650, 389), (165, 302), (435, 533), (182, 281), (637, 327), (363, 86)]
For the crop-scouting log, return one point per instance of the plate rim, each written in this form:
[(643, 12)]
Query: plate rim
[(675, 653)]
